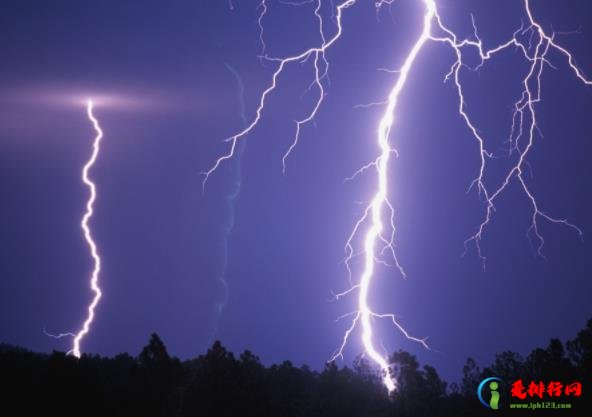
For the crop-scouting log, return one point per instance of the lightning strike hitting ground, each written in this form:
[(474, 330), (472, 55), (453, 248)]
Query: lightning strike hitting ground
[(94, 280), (377, 226)]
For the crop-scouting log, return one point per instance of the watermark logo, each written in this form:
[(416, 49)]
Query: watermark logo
[(491, 390), (490, 385), (542, 390)]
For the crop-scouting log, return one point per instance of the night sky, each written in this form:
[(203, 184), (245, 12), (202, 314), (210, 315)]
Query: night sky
[(168, 102)]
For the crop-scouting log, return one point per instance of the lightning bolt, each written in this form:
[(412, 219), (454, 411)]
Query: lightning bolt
[(94, 279), (377, 225), (524, 112)]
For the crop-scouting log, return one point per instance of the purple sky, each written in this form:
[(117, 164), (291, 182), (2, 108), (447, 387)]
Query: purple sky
[(168, 101)]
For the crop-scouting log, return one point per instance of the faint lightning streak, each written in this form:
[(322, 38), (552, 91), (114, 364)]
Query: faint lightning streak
[(296, 3), (59, 335), (231, 197), (263, 7), (94, 281)]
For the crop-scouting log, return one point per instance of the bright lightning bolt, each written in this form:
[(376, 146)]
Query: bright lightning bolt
[(94, 280), (378, 218), (375, 210)]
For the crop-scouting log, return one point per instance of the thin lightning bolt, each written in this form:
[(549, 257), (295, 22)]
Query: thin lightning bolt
[(317, 52), (263, 7), (378, 218), (524, 111), (94, 280)]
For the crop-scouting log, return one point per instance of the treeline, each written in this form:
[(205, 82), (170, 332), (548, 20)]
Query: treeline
[(220, 384)]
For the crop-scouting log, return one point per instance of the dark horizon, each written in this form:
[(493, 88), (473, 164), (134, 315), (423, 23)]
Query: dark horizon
[(574, 348), (221, 383)]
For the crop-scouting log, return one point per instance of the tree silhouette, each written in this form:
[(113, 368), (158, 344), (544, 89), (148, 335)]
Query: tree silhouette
[(421, 391), (471, 377), (580, 349), (219, 384), (154, 353)]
